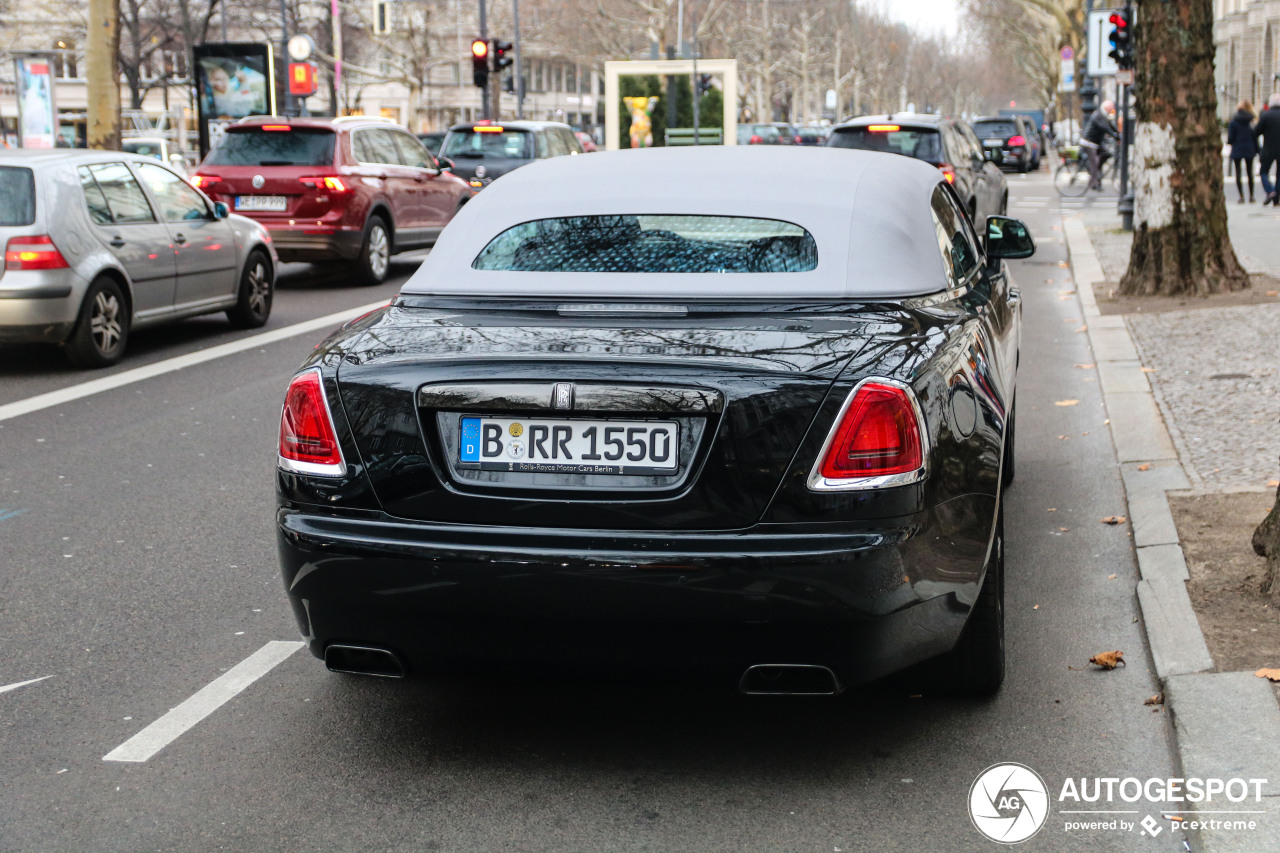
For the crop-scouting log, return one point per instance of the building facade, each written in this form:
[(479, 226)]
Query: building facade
[(1247, 52)]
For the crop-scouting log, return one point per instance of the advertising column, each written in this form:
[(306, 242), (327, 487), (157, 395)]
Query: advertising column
[(37, 115)]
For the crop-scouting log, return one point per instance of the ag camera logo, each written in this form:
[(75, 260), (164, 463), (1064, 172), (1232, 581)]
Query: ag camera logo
[(1008, 803)]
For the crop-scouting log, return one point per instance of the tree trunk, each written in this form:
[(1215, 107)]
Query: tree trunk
[(1266, 543), (102, 51), (1180, 240)]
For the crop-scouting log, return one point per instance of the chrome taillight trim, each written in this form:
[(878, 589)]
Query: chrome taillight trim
[(313, 469), (819, 483)]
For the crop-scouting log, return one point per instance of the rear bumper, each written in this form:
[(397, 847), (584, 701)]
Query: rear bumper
[(38, 306), (865, 603), (296, 243)]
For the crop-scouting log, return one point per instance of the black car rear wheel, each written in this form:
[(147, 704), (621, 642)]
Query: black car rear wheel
[(102, 329), (257, 287)]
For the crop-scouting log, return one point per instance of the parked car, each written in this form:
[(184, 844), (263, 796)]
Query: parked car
[(787, 133), (1017, 140), (483, 151), (812, 135), (943, 141), (584, 139), (669, 423), (100, 243), (758, 134), (432, 140), (157, 147), (353, 189)]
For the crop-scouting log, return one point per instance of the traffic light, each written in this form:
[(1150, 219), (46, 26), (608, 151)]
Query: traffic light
[(480, 62), (1122, 38), (501, 55)]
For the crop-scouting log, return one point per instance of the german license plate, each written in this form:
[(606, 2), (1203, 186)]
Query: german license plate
[(260, 202), (569, 446), (993, 143)]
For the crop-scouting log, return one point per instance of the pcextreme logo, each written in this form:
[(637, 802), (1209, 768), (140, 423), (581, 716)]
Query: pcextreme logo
[(1008, 803)]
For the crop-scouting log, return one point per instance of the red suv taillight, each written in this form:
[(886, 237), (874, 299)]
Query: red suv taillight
[(1015, 141), (755, 140), (33, 253), (325, 182), (948, 172), (203, 182), (878, 435), (308, 444)]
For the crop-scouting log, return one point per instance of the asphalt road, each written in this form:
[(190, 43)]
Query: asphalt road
[(137, 567)]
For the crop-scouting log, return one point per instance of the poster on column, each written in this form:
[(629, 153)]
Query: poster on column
[(233, 80), (37, 115)]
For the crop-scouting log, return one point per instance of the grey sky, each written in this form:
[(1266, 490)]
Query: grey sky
[(926, 15)]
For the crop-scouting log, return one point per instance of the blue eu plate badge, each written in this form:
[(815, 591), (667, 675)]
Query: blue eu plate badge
[(470, 440)]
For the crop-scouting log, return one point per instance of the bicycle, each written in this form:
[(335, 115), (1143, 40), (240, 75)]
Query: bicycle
[(1071, 179)]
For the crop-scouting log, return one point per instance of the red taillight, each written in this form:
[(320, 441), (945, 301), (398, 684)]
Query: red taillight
[(308, 444), (948, 173), (755, 140), (277, 127), (325, 182), (33, 253), (1015, 141), (203, 182), (877, 436), (798, 140)]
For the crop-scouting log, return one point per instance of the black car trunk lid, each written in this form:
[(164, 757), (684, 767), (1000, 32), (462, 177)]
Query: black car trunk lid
[(737, 390)]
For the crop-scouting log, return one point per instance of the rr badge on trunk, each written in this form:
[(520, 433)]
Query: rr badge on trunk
[(562, 397)]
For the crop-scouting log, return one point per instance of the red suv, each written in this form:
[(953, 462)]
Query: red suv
[(357, 189)]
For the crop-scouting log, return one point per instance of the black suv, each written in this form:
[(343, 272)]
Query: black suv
[(1014, 137), (484, 150), (946, 142)]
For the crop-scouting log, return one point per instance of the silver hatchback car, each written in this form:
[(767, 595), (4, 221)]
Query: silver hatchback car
[(97, 243)]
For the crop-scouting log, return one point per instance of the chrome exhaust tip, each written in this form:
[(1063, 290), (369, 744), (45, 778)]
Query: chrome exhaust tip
[(789, 679), (363, 660)]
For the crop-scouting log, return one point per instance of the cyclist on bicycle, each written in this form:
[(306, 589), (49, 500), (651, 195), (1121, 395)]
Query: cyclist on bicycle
[(1100, 126)]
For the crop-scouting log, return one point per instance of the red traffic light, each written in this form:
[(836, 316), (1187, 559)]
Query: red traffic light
[(1118, 20), (480, 49)]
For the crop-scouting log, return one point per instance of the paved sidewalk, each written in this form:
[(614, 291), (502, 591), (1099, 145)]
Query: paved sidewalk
[(1206, 415)]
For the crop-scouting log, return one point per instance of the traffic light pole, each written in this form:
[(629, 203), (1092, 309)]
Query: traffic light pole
[(485, 109), (518, 83), (1125, 207), (1088, 91)]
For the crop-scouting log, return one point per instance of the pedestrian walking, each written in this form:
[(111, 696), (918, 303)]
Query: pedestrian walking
[(1267, 133), (1244, 146), (1101, 125)]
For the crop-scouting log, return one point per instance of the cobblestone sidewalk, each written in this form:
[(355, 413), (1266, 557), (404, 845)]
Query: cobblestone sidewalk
[(1217, 371)]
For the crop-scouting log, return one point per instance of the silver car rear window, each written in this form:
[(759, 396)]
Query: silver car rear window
[(651, 243), (17, 196)]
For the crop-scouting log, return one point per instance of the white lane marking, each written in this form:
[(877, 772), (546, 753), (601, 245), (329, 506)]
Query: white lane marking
[(210, 698), (9, 687), (138, 374)]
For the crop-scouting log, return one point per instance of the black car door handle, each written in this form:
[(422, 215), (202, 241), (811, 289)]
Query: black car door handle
[(117, 242), (180, 240)]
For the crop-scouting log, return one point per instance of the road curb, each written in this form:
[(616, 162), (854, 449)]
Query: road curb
[(1220, 719)]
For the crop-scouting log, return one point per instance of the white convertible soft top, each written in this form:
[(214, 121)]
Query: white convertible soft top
[(868, 212)]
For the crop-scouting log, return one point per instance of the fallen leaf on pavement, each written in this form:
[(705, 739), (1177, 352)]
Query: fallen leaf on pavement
[(1066, 292), (1064, 265), (1149, 370), (1111, 577), (1036, 607), (1082, 329), (1108, 660), (1273, 483), (1066, 402), (1064, 438), (1064, 529), (1086, 366), (1157, 699), (1112, 519), (1273, 293), (1269, 674), (1144, 467), (1064, 298)]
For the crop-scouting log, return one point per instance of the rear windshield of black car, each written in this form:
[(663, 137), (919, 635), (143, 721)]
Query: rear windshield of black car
[(17, 196), (252, 146), (918, 142), (651, 244), (488, 142), (993, 129)]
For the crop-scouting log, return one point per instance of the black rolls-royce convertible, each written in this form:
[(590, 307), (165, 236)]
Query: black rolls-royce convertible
[(685, 417)]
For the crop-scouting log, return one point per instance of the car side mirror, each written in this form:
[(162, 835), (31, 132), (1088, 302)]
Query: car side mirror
[(1008, 238), (220, 210), (446, 165)]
